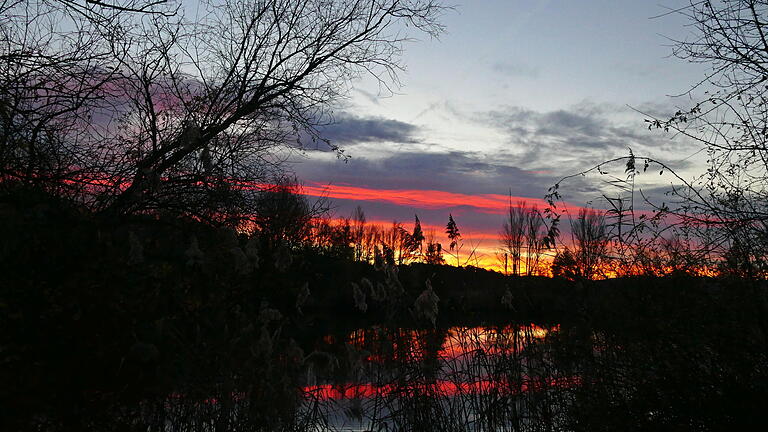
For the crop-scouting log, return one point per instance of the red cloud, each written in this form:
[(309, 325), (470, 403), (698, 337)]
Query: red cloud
[(425, 199)]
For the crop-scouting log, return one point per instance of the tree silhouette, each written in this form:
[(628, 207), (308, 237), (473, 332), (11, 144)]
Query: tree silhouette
[(535, 243), (564, 265), (129, 114), (283, 215), (57, 70), (726, 205), (522, 238), (434, 252), (513, 234), (358, 232), (586, 255)]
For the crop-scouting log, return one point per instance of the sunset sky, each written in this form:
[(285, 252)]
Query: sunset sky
[(514, 96)]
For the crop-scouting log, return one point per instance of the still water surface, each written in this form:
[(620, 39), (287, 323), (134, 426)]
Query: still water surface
[(460, 378)]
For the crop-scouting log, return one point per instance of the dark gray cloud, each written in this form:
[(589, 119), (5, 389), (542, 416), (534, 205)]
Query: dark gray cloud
[(463, 172), (570, 140), (348, 129)]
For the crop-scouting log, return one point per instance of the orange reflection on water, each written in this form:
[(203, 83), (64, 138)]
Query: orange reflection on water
[(492, 340), (408, 345)]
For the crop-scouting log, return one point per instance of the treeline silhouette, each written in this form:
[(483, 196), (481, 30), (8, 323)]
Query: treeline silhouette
[(597, 244), (153, 323), (108, 321)]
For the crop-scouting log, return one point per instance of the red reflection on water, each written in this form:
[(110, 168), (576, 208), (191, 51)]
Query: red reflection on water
[(439, 388), (407, 346)]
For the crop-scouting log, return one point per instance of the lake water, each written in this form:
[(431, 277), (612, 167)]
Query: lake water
[(459, 378), (590, 375)]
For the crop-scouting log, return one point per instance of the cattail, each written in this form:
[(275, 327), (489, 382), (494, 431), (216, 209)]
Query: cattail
[(252, 251), (294, 353), (264, 345), (193, 253), (239, 261), (268, 314), (378, 293), (425, 305), (507, 300), (302, 297), (394, 286), (283, 259), (359, 296), (135, 249)]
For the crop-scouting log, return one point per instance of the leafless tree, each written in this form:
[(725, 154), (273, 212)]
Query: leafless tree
[(727, 204), (722, 212), (434, 250), (513, 234), (56, 66), (174, 110), (358, 233), (586, 254), (283, 216), (522, 238), (534, 240), (590, 237)]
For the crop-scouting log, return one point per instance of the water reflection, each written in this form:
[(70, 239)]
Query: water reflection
[(506, 378), (460, 378)]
